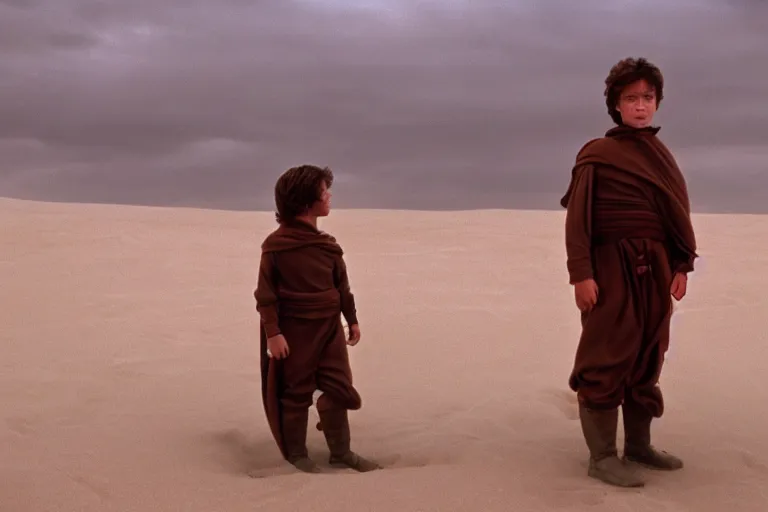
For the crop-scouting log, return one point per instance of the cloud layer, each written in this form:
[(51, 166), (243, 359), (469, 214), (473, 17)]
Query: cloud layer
[(446, 105)]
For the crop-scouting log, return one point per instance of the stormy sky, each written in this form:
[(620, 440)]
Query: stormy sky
[(415, 104)]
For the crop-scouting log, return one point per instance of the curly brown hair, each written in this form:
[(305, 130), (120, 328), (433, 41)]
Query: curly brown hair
[(297, 190), (628, 71)]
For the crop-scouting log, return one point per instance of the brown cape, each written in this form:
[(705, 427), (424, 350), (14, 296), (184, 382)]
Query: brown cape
[(640, 153), (276, 301), (628, 227)]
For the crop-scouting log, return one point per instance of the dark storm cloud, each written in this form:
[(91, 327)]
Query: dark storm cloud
[(449, 105)]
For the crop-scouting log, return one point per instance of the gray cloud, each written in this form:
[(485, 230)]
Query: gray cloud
[(448, 105)]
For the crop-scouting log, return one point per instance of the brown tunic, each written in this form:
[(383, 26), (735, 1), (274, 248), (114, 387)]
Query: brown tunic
[(628, 227), (302, 290)]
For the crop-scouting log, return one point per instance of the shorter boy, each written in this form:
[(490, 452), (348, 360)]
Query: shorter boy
[(302, 291)]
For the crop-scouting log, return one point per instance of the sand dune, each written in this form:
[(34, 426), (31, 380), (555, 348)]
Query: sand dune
[(129, 366)]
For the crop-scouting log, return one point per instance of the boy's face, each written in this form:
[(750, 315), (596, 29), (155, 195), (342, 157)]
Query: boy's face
[(637, 104), (322, 206)]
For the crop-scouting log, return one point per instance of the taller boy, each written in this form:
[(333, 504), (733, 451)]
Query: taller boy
[(630, 245), (302, 291)]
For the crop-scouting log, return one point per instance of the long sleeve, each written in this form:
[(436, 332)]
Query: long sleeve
[(348, 308), (682, 263), (578, 226), (266, 296), (681, 260)]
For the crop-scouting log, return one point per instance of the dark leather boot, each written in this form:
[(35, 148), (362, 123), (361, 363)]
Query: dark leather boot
[(295, 440), (599, 428), (637, 440), (335, 426)]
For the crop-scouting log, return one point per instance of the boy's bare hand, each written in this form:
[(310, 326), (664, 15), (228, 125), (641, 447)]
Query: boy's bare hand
[(278, 347), (586, 294), (679, 286), (354, 335)]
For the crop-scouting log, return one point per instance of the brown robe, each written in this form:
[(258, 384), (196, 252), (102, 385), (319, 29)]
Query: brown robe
[(301, 293), (628, 227)]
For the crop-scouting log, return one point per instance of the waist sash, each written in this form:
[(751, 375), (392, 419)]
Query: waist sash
[(310, 305), (611, 224)]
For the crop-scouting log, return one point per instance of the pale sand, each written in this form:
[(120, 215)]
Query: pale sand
[(129, 367)]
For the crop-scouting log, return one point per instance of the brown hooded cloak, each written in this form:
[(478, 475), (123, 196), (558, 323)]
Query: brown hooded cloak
[(302, 291), (628, 227)]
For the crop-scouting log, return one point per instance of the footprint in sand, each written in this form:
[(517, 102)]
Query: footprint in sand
[(21, 426), (387, 462), (752, 463), (565, 400), (398, 461), (234, 451), (572, 495), (282, 470), (99, 489)]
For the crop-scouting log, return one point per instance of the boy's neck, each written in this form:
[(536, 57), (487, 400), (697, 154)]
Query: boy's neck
[(309, 219)]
